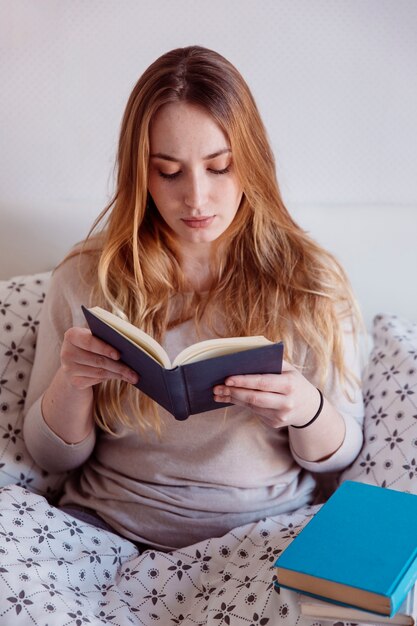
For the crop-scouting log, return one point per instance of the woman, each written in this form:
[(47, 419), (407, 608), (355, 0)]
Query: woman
[(195, 243)]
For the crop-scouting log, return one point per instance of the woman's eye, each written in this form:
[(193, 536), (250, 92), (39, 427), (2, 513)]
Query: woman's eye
[(169, 176), (223, 171), (175, 175)]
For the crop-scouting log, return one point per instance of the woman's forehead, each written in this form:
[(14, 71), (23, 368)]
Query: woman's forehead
[(179, 127)]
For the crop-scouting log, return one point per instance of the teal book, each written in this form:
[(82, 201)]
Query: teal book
[(359, 550), (322, 610)]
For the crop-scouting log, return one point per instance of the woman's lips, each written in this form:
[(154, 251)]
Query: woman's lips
[(199, 222)]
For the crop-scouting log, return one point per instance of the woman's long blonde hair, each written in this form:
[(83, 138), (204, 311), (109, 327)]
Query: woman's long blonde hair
[(270, 277)]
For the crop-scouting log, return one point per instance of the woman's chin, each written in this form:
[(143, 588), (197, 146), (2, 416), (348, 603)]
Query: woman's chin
[(202, 236)]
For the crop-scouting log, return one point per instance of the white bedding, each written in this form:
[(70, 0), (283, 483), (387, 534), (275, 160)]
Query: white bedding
[(56, 571)]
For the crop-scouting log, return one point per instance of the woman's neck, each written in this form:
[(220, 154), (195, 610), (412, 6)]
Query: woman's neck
[(198, 277), (198, 272)]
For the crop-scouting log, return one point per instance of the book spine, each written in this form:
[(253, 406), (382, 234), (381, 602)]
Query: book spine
[(412, 604), (405, 584), (176, 387)]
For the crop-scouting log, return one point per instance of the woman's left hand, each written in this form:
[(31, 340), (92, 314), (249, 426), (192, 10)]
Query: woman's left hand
[(286, 399)]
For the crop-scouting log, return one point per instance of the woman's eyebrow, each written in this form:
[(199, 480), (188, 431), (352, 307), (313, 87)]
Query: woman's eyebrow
[(167, 157)]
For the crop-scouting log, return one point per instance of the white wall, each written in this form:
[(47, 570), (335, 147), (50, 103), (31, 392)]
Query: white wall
[(336, 83)]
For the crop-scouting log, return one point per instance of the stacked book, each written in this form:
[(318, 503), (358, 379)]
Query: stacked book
[(356, 560), (329, 612)]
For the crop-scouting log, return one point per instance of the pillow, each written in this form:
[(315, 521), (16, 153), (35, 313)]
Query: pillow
[(389, 454), (21, 299)]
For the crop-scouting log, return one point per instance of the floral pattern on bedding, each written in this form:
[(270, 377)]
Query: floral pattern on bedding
[(58, 571)]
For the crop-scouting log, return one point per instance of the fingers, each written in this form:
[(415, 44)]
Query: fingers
[(88, 360), (104, 372), (279, 399), (256, 390), (253, 399), (275, 383), (271, 409), (83, 338)]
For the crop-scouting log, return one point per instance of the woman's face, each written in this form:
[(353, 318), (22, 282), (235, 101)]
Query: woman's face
[(191, 174)]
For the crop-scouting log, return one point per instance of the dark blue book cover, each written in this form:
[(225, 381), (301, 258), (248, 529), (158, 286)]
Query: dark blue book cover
[(359, 550), (186, 389)]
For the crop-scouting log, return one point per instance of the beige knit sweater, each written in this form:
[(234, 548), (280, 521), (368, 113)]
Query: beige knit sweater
[(205, 476)]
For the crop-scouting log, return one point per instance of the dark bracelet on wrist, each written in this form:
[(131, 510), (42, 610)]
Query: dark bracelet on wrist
[(313, 419)]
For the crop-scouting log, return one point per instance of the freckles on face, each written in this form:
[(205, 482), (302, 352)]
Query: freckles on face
[(191, 173)]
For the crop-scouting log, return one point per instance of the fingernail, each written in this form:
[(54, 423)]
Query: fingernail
[(221, 398)]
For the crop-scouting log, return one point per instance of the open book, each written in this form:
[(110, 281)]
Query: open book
[(185, 386)]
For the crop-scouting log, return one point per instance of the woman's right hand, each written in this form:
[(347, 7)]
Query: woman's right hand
[(68, 402), (87, 360)]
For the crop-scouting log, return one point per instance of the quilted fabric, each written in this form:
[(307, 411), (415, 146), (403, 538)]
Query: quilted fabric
[(21, 299), (56, 571), (389, 454)]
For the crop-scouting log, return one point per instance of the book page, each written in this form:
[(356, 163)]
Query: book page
[(218, 347), (313, 607), (207, 349), (137, 336)]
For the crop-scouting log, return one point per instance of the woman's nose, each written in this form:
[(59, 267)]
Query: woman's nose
[(196, 191)]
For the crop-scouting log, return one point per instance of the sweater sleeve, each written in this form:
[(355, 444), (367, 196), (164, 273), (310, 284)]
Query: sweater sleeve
[(348, 401), (60, 311)]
